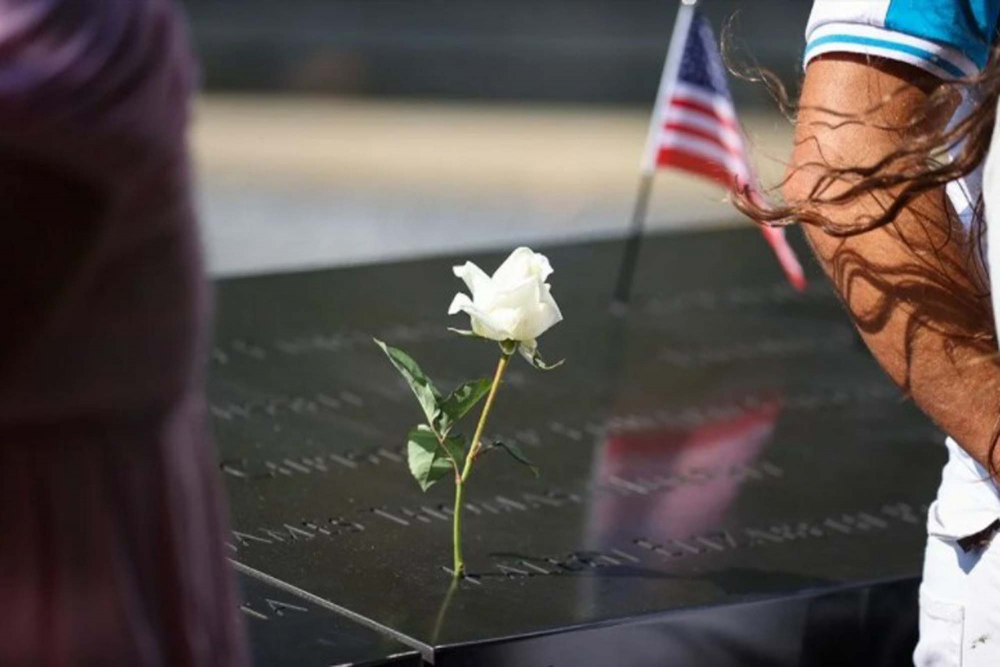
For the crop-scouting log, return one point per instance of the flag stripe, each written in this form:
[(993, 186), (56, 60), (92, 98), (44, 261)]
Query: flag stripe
[(696, 164), (684, 117), (786, 256), (716, 138), (708, 151), (721, 103), (700, 107)]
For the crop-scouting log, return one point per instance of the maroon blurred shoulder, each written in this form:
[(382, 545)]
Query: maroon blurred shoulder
[(111, 512)]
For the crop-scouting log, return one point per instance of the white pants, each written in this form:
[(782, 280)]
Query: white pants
[(959, 607), (960, 592)]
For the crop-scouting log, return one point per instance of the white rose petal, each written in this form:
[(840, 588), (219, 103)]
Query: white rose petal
[(474, 277), (523, 263), (515, 303)]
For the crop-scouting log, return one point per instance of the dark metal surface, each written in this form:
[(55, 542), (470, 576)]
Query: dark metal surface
[(726, 450), (870, 626), (288, 630)]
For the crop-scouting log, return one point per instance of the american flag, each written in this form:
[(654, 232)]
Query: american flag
[(694, 126)]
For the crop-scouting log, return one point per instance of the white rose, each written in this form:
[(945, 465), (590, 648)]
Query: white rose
[(515, 304)]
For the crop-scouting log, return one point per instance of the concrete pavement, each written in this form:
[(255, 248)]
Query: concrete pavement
[(302, 182)]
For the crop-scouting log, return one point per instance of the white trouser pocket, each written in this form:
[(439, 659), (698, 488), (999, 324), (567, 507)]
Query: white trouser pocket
[(942, 625)]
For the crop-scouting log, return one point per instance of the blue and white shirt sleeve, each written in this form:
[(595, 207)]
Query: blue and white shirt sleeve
[(948, 38)]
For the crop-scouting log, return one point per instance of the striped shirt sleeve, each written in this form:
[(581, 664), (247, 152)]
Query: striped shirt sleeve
[(949, 38)]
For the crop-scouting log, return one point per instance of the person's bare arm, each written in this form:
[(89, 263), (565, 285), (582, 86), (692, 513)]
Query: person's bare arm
[(912, 287)]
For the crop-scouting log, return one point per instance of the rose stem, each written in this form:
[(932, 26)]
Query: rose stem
[(459, 569)]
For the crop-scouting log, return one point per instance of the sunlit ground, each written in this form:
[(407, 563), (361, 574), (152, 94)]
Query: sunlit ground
[(303, 182)]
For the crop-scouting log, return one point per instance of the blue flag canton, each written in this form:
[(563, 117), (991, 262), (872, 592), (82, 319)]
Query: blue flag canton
[(701, 63)]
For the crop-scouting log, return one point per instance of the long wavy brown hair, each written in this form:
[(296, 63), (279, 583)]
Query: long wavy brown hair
[(932, 155)]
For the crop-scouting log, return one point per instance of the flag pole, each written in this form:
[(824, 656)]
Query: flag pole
[(671, 65), (630, 255)]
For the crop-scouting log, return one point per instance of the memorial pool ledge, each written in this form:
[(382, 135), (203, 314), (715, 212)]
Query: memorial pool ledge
[(727, 476)]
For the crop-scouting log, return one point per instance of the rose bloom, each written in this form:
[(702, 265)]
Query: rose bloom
[(515, 304)]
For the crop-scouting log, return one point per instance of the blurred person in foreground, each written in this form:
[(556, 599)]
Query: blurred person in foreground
[(895, 120), (111, 529)]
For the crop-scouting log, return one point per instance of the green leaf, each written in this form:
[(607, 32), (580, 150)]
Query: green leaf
[(516, 453), (428, 460), (461, 401), (428, 464), (536, 360), (425, 391), (455, 445)]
